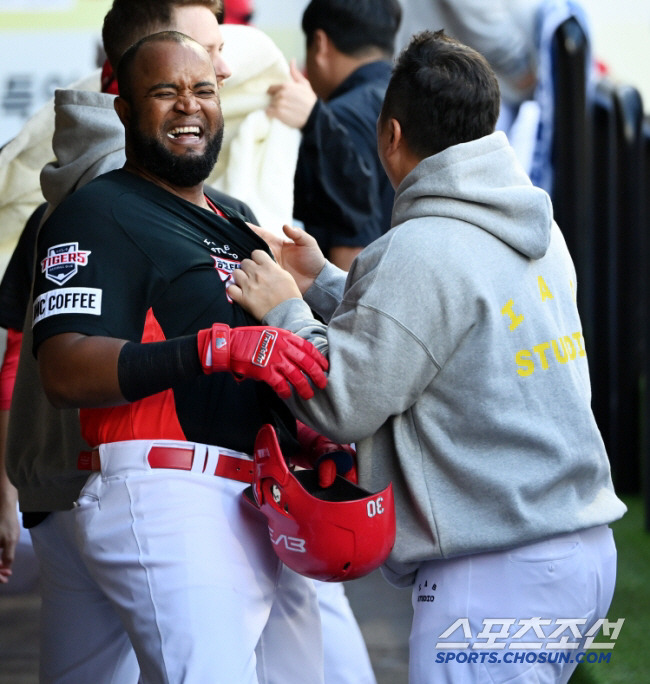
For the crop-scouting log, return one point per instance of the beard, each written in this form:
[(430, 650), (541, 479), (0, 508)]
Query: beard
[(183, 171)]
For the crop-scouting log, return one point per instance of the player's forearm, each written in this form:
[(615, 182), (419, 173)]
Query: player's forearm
[(8, 496), (9, 524), (7, 490), (79, 371), (8, 493)]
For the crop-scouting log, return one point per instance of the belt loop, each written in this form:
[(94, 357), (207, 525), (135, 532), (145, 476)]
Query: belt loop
[(211, 460), (198, 462)]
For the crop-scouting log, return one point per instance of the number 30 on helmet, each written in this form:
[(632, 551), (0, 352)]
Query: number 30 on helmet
[(339, 533)]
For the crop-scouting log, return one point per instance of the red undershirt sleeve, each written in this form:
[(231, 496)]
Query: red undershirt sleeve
[(9, 368)]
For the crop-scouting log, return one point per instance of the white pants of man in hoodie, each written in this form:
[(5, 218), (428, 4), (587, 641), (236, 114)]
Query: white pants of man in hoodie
[(492, 596)]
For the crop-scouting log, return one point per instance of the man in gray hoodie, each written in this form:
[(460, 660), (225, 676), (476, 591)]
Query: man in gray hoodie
[(458, 366)]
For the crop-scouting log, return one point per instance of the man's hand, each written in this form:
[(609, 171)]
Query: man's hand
[(9, 528), (272, 355), (298, 253), (301, 256), (526, 83), (272, 239), (328, 458), (337, 459), (261, 284), (292, 101)]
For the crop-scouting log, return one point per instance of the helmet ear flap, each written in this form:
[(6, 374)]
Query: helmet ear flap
[(269, 462)]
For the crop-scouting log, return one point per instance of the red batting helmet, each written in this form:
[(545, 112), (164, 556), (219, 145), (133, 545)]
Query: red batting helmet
[(333, 534)]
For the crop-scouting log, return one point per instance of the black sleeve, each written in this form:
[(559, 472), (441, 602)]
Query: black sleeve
[(16, 284), (90, 278), (227, 201)]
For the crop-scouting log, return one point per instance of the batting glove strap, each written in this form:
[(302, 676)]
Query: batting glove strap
[(214, 348)]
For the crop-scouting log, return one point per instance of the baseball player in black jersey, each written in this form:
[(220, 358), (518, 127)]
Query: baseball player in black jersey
[(141, 256), (44, 443)]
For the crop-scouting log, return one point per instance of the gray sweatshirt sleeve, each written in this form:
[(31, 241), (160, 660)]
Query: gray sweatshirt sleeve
[(326, 292), (378, 368)]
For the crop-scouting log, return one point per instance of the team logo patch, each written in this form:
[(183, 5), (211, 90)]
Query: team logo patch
[(225, 269), (264, 348), (62, 262), (78, 300)]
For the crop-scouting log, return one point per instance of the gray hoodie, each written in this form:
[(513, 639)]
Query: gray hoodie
[(458, 367), (88, 141), (43, 443)]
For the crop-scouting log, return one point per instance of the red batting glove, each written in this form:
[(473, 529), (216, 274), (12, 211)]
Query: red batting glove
[(273, 355), (328, 457)]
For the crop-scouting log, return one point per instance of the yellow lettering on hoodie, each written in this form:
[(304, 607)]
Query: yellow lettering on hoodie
[(515, 319), (564, 356), (566, 348), (540, 349), (524, 361), (544, 292), (570, 347), (578, 338)]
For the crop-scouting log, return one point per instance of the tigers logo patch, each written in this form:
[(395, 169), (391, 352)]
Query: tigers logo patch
[(62, 262)]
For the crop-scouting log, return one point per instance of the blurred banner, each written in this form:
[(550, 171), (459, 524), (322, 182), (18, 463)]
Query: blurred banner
[(35, 5), (44, 45)]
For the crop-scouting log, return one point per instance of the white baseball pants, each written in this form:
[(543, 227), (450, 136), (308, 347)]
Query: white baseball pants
[(178, 561), (571, 577), (346, 656)]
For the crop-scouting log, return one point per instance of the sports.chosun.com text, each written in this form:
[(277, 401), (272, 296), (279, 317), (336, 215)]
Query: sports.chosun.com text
[(521, 657)]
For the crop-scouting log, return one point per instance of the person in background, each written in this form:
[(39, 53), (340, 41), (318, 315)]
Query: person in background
[(503, 31), (238, 12), (342, 195)]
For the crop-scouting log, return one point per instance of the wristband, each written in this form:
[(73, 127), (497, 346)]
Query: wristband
[(146, 369)]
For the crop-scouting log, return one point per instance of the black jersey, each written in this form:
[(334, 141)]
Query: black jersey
[(16, 285), (124, 258)]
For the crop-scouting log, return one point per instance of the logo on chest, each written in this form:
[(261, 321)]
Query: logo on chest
[(62, 262), (225, 269)]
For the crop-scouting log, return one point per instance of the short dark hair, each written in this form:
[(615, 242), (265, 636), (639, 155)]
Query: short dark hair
[(442, 92), (129, 20), (125, 65), (354, 25)]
